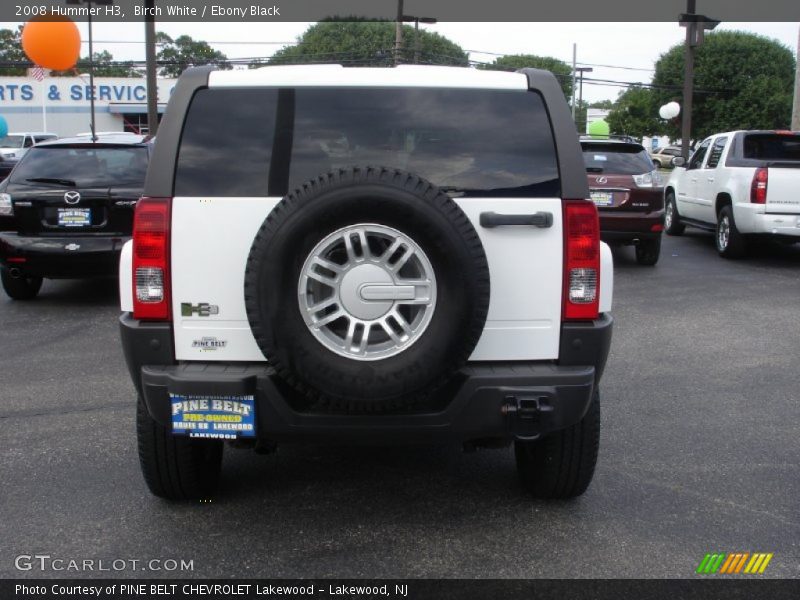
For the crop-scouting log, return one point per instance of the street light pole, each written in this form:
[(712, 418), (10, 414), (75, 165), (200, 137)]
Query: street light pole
[(150, 54), (398, 32), (582, 70), (796, 105), (91, 76), (417, 21), (696, 26), (92, 123), (688, 82)]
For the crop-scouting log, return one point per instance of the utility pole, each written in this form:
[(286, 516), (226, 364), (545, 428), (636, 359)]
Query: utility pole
[(150, 52), (688, 82), (582, 70), (417, 21), (574, 62), (796, 105), (696, 26), (398, 33)]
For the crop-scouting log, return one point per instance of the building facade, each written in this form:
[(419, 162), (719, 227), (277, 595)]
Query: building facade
[(61, 105)]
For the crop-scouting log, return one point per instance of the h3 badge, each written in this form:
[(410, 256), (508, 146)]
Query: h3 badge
[(201, 310)]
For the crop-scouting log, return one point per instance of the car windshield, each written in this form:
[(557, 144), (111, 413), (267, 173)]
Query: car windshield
[(617, 159), (11, 141), (772, 146), (85, 166)]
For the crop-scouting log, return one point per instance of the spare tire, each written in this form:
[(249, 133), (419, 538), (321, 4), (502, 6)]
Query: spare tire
[(367, 288)]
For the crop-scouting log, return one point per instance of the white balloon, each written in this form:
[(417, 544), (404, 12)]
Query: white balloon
[(669, 111)]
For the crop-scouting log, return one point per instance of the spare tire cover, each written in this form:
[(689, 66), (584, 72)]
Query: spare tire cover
[(367, 288)]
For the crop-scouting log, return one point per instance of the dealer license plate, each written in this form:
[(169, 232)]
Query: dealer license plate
[(74, 217), (219, 417), (602, 198)]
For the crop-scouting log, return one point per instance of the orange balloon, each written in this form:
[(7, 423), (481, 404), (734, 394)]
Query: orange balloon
[(52, 42)]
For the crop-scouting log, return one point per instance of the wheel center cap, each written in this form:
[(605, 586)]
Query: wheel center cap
[(368, 292)]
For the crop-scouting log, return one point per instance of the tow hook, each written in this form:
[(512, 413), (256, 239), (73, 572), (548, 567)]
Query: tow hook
[(524, 414)]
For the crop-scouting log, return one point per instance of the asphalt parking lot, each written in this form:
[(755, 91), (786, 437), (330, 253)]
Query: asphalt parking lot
[(699, 452)]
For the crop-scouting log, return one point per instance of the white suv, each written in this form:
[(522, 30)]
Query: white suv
[(380, 255)]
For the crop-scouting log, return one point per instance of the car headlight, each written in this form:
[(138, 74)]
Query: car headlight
[(6, 207)]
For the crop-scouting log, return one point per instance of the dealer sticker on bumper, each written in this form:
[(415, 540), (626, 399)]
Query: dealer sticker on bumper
[(219, 417)]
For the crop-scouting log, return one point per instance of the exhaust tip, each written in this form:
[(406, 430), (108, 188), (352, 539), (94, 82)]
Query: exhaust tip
[(15, 272)]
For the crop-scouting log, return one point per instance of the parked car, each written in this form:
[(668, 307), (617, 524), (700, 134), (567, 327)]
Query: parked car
[(627, 189), (662, 157), (740, 185), (6, 166), (67, 209), (14, 145), (459, 292)]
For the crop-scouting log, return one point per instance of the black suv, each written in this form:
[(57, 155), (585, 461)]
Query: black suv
[(67, 209)]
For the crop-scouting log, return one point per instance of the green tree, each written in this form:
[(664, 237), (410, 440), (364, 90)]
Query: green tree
[(742, 81), (635, 113), (11, 52), (559, 68), (604, 104), (184, 52), (104, 66), (366, 43)]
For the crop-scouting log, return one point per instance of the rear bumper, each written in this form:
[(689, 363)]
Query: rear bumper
[(752, 218), (62, 256), (630, 226), (510, 400)]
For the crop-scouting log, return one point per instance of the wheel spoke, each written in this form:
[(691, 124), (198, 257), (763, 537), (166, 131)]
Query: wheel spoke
[(315, 308), (327, 264), (407, 254), (401, 320), (328, 318), (391, 332), (329, 281), (351, 331), (362, 344)]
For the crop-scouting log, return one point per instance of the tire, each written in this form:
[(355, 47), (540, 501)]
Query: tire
[(730, 243), (321, 362), (672, 220), (20, 288), (176, 467), (657, 164), (648, 251), (561, 464)]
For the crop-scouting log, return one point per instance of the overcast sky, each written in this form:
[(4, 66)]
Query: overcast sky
[(635, 46)]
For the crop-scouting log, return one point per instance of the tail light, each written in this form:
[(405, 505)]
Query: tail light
[(758, 189), (581, 260), (151, 281)]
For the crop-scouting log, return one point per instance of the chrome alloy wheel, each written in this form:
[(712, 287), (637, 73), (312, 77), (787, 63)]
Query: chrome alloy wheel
[(669, 215), (723, 233), (367, 292)]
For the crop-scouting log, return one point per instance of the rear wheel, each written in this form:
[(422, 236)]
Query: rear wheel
[(648, 251), (176, 467), (21, 287), (672, 220), (730, 243), (561, 465)]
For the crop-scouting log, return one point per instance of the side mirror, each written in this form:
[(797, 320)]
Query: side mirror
[(678, 161)]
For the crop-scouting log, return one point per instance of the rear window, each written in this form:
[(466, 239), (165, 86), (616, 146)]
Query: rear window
[(772, 146), (617, 159), (83, 167), (264, 142)]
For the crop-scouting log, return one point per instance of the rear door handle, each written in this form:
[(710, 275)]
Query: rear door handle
[(711, 180), (539, 219)]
